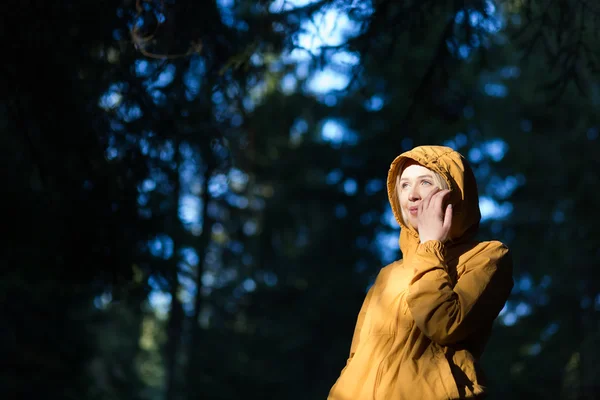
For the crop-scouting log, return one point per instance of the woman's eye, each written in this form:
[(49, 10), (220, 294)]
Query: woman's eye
[(404, 185), (426, 183)]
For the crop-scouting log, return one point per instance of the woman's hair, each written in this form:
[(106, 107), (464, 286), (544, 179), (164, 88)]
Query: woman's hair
[(437, 179)]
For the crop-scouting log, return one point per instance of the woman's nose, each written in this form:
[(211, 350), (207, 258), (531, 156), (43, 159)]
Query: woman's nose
[(414, 195)]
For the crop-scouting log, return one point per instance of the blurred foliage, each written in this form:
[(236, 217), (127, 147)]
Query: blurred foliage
[(194, 213)]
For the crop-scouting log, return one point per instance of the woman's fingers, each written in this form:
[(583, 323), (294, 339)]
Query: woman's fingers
[(434, 220), (448, 219), (424, 204), (427, 200), (434, 200), (439, 199)]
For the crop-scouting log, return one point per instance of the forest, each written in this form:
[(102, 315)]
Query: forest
[(196, 200)]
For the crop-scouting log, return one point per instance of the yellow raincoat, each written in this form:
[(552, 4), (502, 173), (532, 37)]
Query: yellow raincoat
[(425, 321)]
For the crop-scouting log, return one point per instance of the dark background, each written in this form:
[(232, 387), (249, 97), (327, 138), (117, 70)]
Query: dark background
[(195, 190)]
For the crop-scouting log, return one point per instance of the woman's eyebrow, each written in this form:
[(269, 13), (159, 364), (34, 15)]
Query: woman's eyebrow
[(418, 177)]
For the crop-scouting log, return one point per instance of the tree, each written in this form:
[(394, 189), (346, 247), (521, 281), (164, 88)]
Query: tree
[(184, 152)]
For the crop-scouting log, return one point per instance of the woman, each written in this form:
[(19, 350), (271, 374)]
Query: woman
[(424, 323)]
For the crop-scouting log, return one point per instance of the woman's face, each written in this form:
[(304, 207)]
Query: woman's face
[(416, 182)]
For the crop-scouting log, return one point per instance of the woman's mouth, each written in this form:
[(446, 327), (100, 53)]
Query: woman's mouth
[(413, 210)]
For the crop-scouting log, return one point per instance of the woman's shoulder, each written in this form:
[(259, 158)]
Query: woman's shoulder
[(383, 272), (485, 254), (474, 248), (492, 247)]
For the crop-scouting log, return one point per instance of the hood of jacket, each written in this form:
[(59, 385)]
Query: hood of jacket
[(464, 197)]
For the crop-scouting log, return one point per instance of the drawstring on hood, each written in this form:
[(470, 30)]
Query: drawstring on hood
[(464, 198)]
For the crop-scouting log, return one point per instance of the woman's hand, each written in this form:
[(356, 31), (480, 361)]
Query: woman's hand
[(434, 222)]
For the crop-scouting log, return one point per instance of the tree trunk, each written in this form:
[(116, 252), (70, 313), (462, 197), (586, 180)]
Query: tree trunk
[(176, 315), (195, 331)]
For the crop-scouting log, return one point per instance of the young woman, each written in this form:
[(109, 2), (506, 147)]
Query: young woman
[(424, 323)]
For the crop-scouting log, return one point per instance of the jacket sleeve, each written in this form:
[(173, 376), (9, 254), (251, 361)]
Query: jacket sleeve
[(359, 324), (448, 313)]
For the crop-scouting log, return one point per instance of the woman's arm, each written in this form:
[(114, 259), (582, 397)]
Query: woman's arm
[(448, 313)]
